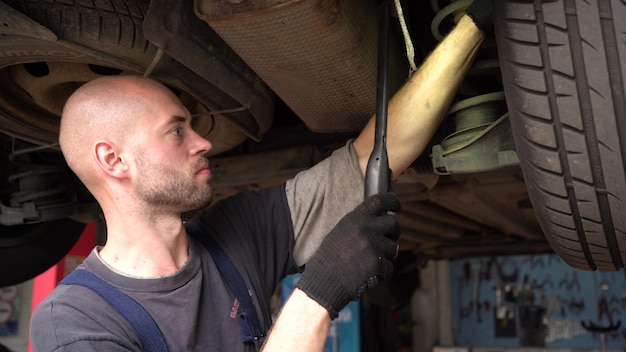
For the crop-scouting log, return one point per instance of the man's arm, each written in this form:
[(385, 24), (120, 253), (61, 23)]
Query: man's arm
[(415, 113), (418, 108), (355, 256), (302, 325)]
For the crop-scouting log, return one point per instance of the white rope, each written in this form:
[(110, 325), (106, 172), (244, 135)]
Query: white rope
[(410, 50)]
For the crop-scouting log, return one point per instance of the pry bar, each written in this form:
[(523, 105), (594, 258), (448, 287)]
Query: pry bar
[(378, 174)]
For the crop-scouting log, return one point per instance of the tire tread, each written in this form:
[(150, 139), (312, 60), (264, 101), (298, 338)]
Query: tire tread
[(580, 65), (83, 22)]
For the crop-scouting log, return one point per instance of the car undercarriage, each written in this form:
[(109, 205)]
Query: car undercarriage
[(277, 86)]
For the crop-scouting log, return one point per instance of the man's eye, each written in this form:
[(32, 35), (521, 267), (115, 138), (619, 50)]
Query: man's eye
[(177, 131)]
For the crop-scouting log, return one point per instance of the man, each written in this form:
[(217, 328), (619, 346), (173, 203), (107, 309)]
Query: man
[(129, 140)]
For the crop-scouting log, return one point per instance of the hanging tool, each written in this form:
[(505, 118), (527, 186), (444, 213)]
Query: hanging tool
[(508, 277), (473, 303), (477, 270), (555, 305), (603, 310), (378, 174), (603, 330)]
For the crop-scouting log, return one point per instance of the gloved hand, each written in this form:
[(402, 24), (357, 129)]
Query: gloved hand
[(481, 12), (355, 255)]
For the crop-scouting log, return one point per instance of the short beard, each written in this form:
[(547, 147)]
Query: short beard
[(171, 194)]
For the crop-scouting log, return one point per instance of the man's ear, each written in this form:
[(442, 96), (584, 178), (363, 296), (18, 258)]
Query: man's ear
[(108, 158)]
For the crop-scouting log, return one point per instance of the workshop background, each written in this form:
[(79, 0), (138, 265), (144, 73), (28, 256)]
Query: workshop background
[(535, 301)]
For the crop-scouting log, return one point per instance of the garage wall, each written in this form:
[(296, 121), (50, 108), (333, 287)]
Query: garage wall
[(538, 300)]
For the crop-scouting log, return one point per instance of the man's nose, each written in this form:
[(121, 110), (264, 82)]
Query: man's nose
[(202, 145)]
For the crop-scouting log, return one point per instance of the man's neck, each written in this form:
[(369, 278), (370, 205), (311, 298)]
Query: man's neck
[(146, 249)]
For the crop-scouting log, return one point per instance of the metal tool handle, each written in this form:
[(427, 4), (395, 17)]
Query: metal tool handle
[(378, 174)]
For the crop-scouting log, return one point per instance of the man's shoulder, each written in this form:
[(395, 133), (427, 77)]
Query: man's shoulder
[(73, 313), (65, 304), (66, 295)]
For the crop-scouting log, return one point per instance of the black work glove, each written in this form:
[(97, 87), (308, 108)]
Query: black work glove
[(481, 12), (355, 255)]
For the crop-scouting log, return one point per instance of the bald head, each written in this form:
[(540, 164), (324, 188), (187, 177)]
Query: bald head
[(107, 108)]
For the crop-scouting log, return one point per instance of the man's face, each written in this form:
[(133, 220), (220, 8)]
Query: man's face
[(171, 167), (172, 186)]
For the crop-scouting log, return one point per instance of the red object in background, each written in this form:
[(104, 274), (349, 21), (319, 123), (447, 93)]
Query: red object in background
[(46, 282)]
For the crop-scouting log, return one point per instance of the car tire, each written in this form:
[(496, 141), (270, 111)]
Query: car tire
[(28, 250), (106, 38), (563, 64)]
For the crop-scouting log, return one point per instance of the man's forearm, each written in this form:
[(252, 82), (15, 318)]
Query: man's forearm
[(418, 108), (302, 325)]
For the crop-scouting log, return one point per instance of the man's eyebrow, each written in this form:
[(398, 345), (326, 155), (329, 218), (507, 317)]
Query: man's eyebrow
[(176, 118)]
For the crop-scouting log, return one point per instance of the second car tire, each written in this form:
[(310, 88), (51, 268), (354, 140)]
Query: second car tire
[(564, 63)]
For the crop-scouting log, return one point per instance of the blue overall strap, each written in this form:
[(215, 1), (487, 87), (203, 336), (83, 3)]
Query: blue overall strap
[(251, 331), (145, 328)]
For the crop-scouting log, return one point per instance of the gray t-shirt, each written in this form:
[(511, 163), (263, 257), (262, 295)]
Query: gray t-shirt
[(267, 234)]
